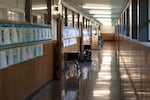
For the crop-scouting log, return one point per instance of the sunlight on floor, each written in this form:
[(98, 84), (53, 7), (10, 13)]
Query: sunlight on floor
[(104, 76), (101, 92)]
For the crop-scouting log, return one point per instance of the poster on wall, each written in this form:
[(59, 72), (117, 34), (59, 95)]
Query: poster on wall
[(14, 35), (6, 36), (19, 34), (3, 60), (18, 55), (31, 35), (30, 52), (40, 33), (1, 36), (94, 30), (24, 34), (48, 34), (86, 34), (13, 56), (70, 33), (24, 53), (9, 55)]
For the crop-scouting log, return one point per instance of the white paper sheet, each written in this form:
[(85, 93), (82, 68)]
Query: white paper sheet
[(10, 58), (14, 35), (3, 60), (24, 34), (24, 54), (7, 36), (31, 35), (29, 52), (19, 34), (18, 59), (1, 35)]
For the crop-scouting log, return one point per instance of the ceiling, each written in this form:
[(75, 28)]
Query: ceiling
[(116, 6)]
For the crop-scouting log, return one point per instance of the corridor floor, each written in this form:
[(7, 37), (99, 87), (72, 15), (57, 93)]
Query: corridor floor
[(100, 82), (103, 84)]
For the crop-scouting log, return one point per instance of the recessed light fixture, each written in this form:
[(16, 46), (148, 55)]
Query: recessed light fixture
[(95, 6), (39, 8), (99, 12), (104, 19), (104, 16)]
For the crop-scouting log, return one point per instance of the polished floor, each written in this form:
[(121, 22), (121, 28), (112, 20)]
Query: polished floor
[(96, 80)]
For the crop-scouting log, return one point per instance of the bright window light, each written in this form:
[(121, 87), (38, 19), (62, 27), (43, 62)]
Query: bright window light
[(107, 23), (106, 16), (39, 8), (95, 6), (99, 12), (69, 16)]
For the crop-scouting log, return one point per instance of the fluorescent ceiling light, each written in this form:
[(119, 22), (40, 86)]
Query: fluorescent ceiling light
[(39, 8), (104, 20), (95, 6), (99, 12), (106, 16), (92, 7)]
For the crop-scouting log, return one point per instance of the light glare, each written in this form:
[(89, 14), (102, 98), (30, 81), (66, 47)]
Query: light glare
[(39, 8)]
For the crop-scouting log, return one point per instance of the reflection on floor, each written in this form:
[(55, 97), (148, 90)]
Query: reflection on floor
[(98, 80)]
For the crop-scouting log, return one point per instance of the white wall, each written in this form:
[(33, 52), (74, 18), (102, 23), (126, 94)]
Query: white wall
[(107, 29)]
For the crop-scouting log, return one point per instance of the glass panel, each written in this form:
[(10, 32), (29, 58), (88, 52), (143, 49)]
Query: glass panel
[(70, 24), (63, 14), (39, 11), (17, 10), (75, 20)]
